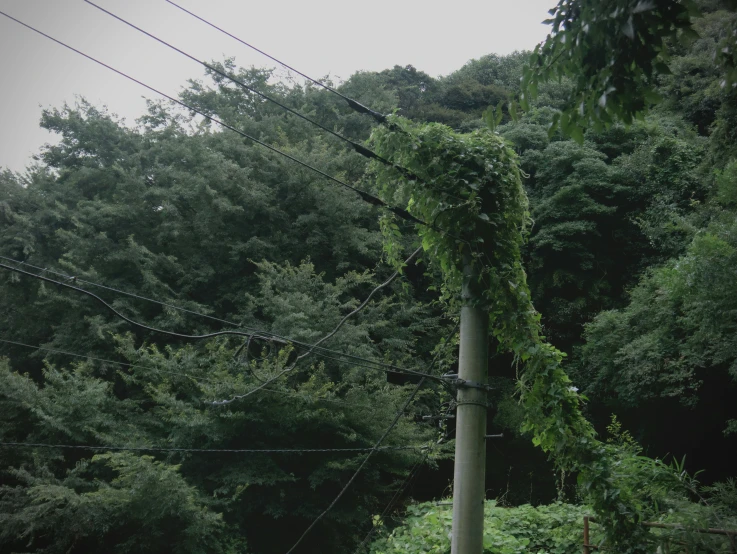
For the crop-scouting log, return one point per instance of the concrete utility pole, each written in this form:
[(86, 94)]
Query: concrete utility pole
[(469, 489)]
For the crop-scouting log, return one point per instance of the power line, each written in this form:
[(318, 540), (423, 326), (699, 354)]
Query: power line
[(366, 197), (228, 332), (126, 364), (376, 446), (121, 316), (355, 105), (204, 450), (217, 333), (326, 337), (389, 368), (400, 490), (366, 152), (304, 397), (398, 493), (318, 351), (126, 293)]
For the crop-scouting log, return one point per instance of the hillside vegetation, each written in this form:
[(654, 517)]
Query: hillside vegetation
[(631, 261)]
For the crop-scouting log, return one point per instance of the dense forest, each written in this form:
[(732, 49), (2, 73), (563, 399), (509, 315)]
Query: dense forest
[(185, 227)]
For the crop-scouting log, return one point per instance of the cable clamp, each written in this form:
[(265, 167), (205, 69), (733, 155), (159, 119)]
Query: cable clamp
[(453, 379), (473, 384)]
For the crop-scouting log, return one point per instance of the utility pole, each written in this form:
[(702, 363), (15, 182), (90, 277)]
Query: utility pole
[(469, 490)]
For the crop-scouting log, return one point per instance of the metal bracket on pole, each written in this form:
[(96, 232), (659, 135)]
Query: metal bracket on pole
[(472, 384), (499, 436), (453, 379)]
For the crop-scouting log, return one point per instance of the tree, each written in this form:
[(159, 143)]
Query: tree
[(675, 335), (613, 51), (195, 217)]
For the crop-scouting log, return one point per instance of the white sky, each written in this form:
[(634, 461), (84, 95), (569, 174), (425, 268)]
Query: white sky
[(318, 37)]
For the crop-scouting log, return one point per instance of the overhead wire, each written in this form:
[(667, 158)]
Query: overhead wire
[(121, 316), (359, 148), (203, 336), (365, 196), (355, 360), (203, 450), (126, 293), (325, 338), (126, 364), (354, 104), (304, 397), (377, 445), (397, 495)]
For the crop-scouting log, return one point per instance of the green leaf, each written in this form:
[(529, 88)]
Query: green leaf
[(662, 68), (488, 117), (576, 133), (652, 97), (513, 111)]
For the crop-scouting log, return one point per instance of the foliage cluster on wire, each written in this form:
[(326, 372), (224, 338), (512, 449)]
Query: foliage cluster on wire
[(471, 188)]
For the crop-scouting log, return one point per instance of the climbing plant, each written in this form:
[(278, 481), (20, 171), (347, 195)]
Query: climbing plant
[(471, 195)]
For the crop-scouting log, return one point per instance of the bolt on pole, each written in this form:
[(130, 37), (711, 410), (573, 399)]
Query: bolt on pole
[(469, 489)]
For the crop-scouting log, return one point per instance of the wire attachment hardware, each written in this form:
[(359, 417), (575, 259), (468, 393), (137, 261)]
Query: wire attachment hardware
[(452, 379)]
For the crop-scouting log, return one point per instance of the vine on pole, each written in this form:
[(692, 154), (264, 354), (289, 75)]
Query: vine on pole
[(471, 190)]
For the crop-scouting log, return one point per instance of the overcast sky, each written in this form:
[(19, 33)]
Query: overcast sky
[(318, 37)]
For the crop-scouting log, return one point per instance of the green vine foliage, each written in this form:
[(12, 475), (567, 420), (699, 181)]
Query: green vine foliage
[(471, 194)]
